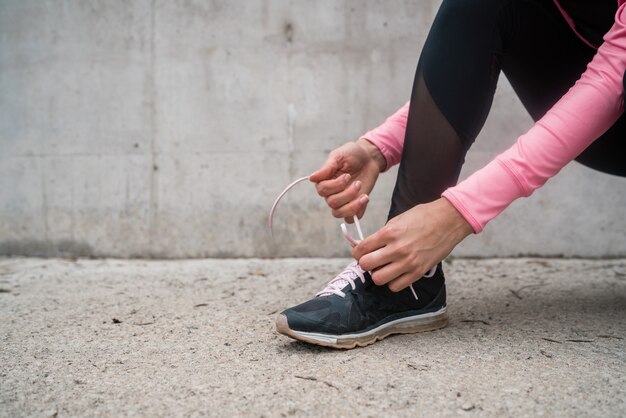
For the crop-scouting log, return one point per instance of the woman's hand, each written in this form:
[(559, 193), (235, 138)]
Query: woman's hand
[(410, 244), (348, 176)]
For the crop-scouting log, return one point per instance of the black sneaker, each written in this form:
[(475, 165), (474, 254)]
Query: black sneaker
[(353, 311)]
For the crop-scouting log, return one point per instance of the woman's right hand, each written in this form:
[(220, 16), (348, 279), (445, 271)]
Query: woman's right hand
[(348, 176)]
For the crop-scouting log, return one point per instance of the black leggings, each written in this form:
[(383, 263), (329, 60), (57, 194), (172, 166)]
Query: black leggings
[(469, 43)]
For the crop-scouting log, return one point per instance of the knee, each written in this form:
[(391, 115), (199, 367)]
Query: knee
[(460, 13), (466, 24)]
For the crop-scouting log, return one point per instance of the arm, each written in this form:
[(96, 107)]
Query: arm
[(389, 137), (412, 242), (582, 115)]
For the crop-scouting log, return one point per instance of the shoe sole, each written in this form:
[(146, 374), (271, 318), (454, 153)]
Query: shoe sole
[(418, 323)]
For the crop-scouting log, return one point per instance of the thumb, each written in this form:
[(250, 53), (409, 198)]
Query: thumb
[(327, 171)]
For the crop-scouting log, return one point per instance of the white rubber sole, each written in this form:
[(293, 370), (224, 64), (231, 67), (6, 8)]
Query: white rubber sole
[(418, 323)]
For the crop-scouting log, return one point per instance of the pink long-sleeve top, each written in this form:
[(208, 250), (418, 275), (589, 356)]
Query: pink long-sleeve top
[(581, 116)]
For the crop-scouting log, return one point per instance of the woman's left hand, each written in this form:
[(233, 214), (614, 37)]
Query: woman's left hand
[(410, 244)]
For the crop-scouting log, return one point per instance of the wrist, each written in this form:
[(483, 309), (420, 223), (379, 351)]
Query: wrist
[(457, 224), (374, 153)]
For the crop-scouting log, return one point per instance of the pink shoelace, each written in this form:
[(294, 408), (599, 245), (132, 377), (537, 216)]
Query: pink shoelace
[(353, 271), (346, 277)]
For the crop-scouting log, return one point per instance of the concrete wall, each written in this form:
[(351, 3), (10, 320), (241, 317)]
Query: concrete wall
[(166, 128)]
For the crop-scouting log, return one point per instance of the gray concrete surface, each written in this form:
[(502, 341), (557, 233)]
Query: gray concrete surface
[(527, 337), (165, 129)]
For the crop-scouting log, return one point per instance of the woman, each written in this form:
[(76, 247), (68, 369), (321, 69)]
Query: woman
[(542, 47)]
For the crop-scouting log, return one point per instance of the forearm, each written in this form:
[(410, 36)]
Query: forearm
[(591, 106)]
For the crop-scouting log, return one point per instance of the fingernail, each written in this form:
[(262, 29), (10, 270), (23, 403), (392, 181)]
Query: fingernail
[(357, 184), (364, 199), (346, 177)]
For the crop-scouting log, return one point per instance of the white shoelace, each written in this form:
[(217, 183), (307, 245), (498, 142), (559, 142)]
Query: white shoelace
[(347, 277), (270, 221), (353, 271)]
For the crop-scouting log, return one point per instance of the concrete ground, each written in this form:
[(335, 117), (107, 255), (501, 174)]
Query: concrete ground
[(527, 337)]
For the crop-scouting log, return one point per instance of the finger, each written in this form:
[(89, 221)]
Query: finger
[(375, 241), (402, 282), (326, 188), (361, 211), (388, 273), (349, 210), (376, 259), (350, 193), (328, 170)]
